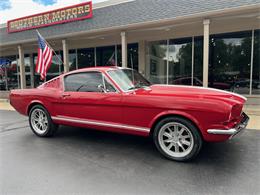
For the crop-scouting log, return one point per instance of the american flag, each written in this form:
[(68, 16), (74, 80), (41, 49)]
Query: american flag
[(44, 59)]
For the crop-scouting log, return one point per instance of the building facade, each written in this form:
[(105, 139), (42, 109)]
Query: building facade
[(199, 43)]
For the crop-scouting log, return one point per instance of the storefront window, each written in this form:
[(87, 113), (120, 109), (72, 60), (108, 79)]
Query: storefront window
[(72, 59), (37, 80), (56, 67), (8, 73), (229, 62), (256, 64), (119, 55), (132, 56), (156, 69), (9, 76), (105, 56), (180, 61), (198, 61), (86, 57)]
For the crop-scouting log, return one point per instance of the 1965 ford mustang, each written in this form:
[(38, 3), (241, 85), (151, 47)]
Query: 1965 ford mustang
[(178, 118)]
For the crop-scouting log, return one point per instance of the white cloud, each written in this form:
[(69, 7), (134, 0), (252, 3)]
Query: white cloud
[(20, 8)]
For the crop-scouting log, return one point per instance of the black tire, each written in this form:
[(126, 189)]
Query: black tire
[(192, 150), (51, 128)]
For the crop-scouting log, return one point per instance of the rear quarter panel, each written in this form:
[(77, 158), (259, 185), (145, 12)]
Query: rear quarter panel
[(22, 99)]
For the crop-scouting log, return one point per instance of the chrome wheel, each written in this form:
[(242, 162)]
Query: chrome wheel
[(175, 139), (39, 121)]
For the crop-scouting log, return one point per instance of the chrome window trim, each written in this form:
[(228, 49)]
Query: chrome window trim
[(100, 123), (104, 77), (127, 91)]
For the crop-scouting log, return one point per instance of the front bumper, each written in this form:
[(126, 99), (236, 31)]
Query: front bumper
[(234, 131)]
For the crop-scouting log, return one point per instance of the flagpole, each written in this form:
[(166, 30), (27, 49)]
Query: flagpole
[(51, 48)]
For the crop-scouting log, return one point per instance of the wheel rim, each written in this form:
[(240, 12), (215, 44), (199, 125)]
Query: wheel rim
[(176, 139), (39, 121)]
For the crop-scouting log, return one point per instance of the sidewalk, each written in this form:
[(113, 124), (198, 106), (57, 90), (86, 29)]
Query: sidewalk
[(253, 111)]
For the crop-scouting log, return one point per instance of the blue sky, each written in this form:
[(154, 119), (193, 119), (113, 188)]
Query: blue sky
[(46, 2), (5, 4), (11, 9)]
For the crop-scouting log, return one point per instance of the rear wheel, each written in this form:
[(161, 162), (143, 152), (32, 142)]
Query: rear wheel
[(177, 139), (41, 122)]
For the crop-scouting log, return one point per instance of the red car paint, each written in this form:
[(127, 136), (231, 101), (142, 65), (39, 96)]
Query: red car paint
[(133, 112)]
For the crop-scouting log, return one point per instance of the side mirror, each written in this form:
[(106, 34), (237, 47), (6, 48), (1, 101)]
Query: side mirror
[(101, 88)]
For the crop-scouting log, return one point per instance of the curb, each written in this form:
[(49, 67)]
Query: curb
[(4, 100)]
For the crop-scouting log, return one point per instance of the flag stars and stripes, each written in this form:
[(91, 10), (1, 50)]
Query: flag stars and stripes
[(45, 54)]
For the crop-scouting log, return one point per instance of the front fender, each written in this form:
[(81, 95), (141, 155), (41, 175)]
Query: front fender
[(178, 113)]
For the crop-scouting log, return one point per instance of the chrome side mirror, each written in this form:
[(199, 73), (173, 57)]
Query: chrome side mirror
[(101, 88)]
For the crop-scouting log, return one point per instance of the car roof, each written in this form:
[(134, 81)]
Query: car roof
[(96, 68)]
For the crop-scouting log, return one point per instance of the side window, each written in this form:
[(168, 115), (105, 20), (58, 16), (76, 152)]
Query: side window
[(83, 82)]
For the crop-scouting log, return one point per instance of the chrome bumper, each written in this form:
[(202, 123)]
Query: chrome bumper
[(234, 131)]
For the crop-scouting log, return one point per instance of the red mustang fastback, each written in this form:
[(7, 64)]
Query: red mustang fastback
[(178, 118)]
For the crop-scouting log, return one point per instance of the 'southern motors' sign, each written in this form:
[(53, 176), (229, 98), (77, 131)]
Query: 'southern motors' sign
[(67, 14)]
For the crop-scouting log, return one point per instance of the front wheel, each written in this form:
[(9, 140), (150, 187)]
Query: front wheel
[(41, 122), (177, 139)]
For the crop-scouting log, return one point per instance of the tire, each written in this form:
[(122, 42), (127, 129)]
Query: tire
[(41, 123), (177, 139)]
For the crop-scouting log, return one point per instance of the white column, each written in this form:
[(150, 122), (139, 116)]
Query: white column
[(22, 67), (206, 23), (31, 70), (124, 49), (141, 57), (192, 61), (65, 55)]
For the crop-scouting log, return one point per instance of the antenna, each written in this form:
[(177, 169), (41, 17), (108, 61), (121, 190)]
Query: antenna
[(132, 66)]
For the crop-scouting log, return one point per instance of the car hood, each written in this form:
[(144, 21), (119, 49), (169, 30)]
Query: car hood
[(192, 92)]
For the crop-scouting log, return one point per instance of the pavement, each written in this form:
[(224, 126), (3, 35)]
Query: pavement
[(83, 161)]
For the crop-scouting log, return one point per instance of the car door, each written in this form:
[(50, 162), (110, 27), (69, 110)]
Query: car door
[(89, 96)]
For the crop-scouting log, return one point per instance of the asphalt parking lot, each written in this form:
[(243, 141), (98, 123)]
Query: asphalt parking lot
[(81, 161)]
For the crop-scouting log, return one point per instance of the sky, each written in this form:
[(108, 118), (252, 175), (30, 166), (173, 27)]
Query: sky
[(11, 9)]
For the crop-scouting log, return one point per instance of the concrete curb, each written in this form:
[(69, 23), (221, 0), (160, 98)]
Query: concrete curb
[(4, 100)]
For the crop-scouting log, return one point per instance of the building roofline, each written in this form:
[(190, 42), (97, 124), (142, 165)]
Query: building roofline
[(202, 15), (94, 6)]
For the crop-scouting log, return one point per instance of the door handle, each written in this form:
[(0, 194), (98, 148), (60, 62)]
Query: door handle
[(65, 95)]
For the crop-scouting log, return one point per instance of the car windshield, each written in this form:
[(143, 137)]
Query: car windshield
[(128, 79)]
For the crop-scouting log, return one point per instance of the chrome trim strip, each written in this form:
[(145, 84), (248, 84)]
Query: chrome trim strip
[(99, 123), (233, 131), (222, 131)]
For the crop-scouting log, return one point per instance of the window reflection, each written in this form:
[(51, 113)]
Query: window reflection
[(72, 60), (86, 58), (198, 61), (106, 56), (132, 56), (229, 62), (256, 64), (180, 61), (157, 62), (8, 73)]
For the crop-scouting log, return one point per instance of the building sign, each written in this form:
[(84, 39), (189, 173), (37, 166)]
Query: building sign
[(67, 14)]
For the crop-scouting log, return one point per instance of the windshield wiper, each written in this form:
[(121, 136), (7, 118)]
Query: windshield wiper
[(138, 87), (135, 87)]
